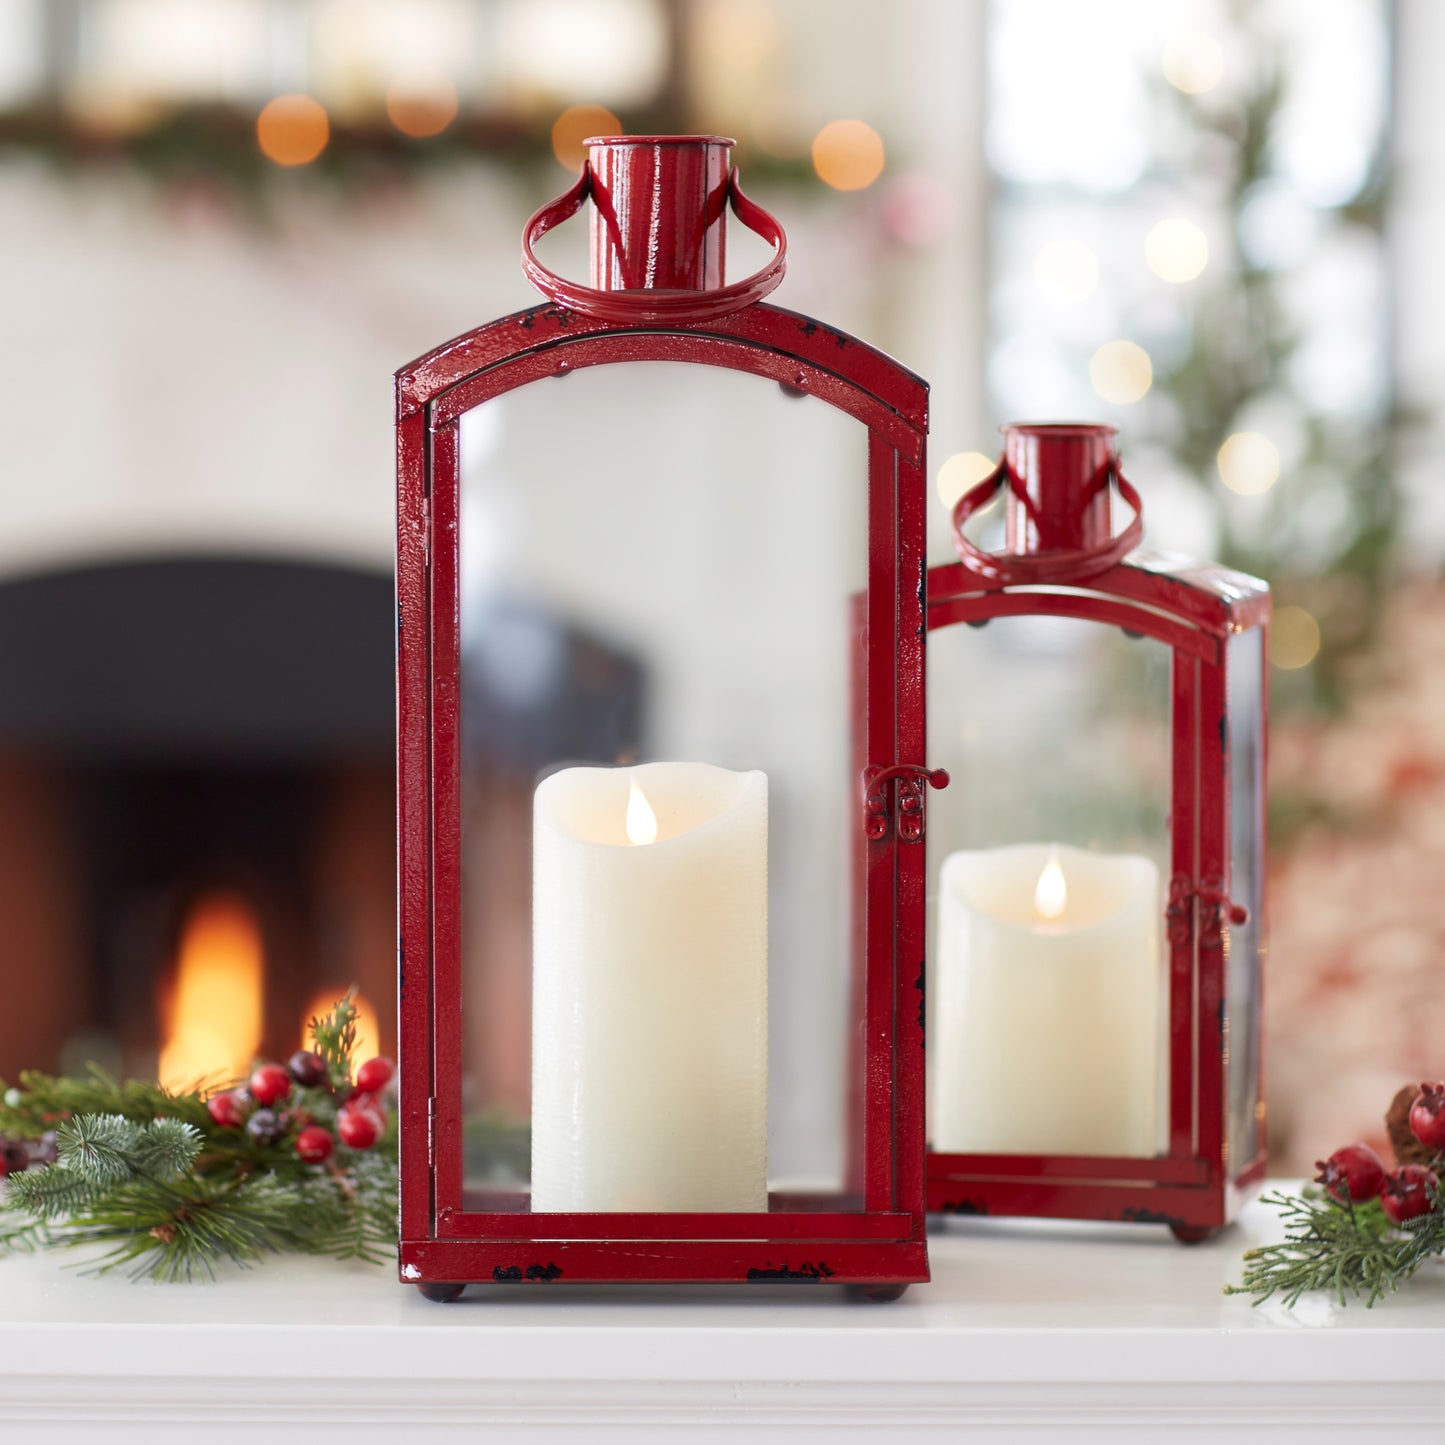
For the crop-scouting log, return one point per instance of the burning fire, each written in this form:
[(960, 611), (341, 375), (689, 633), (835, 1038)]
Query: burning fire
[(213, 1024), (368, 1025)]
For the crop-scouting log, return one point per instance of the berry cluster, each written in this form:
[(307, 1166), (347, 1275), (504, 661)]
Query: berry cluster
[(1356, 1173), (277, 1104)]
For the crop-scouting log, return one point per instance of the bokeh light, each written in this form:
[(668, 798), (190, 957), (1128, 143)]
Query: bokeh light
[(848, 155), (1176, 250), (1193, 61), (1067, 271), (574, 126), (960, 472), (1121, 371), (1294, 638), (421, 103), (1248, 463), (292, 130)]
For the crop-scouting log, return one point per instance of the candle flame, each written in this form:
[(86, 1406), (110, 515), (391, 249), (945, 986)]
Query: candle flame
[(1051, 897), (641, 820)]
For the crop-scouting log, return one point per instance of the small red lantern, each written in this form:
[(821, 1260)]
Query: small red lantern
[(1097, 870), (628, 613)]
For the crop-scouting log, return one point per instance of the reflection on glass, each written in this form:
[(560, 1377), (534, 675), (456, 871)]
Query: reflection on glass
[(608, 620)]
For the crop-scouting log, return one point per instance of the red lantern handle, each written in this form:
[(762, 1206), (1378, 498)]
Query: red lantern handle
[(1055, 564), (645, 306)]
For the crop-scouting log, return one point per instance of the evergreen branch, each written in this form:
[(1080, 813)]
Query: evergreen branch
[(101, 1148), (1353, 1252), (166, 1147), (334, 1035), (51, 1193)]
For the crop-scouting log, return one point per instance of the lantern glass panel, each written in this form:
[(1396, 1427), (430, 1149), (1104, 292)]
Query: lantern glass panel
[(1246, 888), (1048, 858), (659, 561)]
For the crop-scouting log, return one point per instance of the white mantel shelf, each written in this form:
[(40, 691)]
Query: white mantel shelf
[(1036, 1333)]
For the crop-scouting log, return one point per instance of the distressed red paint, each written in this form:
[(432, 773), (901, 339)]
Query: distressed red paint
[(659, 295), (1060, 537)]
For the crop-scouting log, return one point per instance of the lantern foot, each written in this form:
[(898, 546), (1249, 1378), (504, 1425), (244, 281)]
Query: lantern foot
[(876, 1293), (441, 1294), (1194, 1233)]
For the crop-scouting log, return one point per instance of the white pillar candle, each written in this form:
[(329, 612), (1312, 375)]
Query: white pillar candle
[(650, 990), (1044, 1036)]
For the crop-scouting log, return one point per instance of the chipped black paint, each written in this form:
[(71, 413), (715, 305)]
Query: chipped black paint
[(808, 328), (773, 1272), (963, 1206), (921, 984), (559, 316), (515, 1274), (922, 596), (1151, 1216)]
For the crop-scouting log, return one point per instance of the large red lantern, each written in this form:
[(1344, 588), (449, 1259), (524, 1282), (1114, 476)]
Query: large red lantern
[(581, 588), (1096, 871)]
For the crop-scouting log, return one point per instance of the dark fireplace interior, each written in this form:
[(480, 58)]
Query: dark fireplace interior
[(195, 771)]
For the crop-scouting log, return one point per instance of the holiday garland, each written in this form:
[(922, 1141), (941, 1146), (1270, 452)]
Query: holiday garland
[(1366, 1230), (299, 1159)]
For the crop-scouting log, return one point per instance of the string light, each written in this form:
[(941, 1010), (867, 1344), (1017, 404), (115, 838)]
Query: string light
[(1121, 371), (960, 472), (421, 103), (1176, 250), (1193, 62), (1248, 463), (1294, 638), (848, 155), (576, 124), (292, 130)]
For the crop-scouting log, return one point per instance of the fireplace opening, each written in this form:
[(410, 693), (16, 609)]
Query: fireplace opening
[(196, 811)]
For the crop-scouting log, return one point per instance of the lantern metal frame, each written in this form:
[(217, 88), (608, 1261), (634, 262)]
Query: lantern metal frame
[(447, 1237), (1063, 560)]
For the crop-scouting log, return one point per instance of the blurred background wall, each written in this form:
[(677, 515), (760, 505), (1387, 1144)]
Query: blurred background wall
[(224, 223)]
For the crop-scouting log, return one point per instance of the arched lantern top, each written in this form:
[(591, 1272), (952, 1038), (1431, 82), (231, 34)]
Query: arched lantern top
[(801, 354)]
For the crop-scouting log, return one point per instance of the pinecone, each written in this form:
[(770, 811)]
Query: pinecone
[(1408, 1149)]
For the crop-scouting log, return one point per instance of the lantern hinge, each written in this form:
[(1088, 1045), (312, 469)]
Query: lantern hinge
[(426, 531), (1216, 908), (912, 779), (431, 1132)]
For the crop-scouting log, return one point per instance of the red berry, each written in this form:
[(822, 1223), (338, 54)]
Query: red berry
[(269, 1084), (1407, 1193), (374, 1075), (313, 1144), (358, 1128), (308, 1069), (226, 1110), (1427, 1116), (1351, 1175)]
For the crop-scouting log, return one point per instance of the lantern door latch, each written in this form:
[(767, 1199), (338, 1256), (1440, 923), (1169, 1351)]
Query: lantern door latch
[(911, 780), (1216, 908)]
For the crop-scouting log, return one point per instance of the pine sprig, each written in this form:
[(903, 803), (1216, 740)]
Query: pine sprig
[(1353, 1252), (165, 1192)]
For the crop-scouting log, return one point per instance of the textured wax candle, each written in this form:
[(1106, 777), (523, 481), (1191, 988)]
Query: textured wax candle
[(650, 990), (1045, 1030)]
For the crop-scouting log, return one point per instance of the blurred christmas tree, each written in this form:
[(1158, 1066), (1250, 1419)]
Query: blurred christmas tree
[(1320, 516)]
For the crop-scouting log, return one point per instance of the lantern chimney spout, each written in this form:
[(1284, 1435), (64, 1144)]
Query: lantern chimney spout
[(1063, 470), (659, 206)]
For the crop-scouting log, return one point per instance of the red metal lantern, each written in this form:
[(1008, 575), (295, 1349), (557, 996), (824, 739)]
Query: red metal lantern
[(486, 671), (1096, 872)]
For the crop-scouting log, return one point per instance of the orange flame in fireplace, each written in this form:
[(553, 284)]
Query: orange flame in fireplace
[(368, 1025), (213, 1023)]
